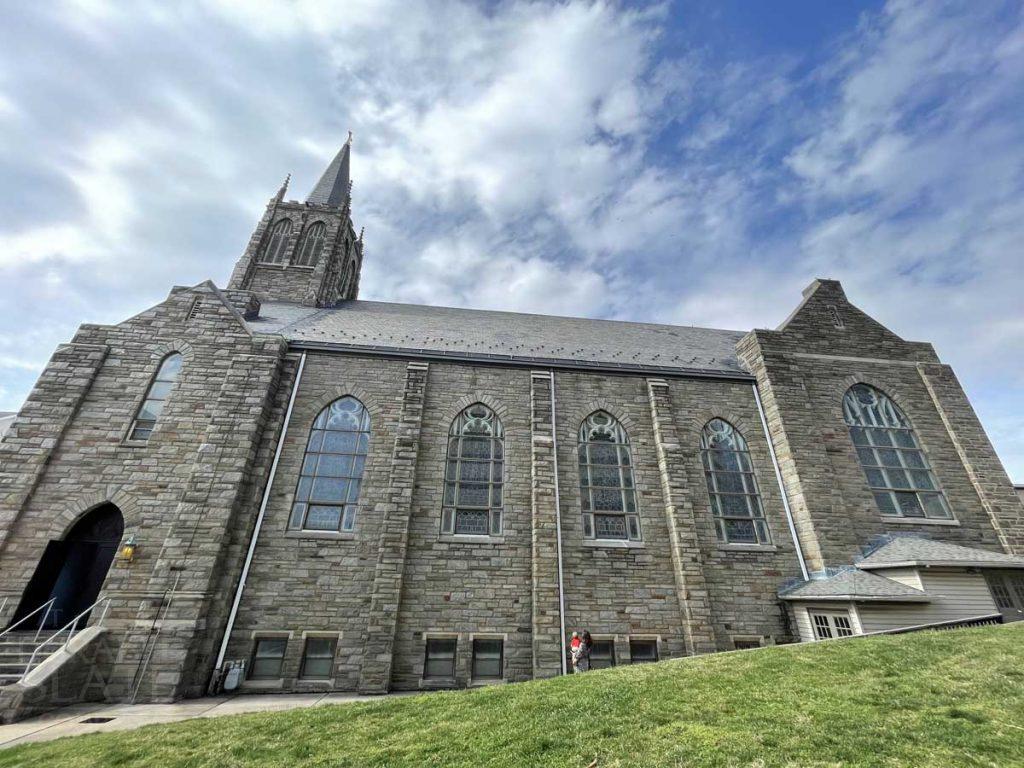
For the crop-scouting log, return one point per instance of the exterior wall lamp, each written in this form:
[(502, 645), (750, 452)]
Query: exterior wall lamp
[(128, 549)]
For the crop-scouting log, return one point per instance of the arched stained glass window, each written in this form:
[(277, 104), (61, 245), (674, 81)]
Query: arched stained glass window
[(897, 470), (312, 245), (332, 470), (606, 480), (156, 397), (277, 244), (473, 474), (735, 500)]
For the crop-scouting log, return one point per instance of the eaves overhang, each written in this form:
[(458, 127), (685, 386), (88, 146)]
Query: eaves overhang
[(941, 564), (517, 361)]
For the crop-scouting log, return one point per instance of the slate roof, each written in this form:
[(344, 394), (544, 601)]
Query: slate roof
[(505, 337), (857, 585), (332, 188), (906, 551)]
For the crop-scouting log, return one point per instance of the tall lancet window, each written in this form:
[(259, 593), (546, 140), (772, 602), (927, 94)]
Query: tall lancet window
[(473, 474), (735, 501), (606, 480), (312, 245), (332, 470), (897, 469), (277, 244), (156, 397)]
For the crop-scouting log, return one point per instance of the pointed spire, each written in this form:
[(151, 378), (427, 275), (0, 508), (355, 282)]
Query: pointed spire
[(333, 187), (284, 188)]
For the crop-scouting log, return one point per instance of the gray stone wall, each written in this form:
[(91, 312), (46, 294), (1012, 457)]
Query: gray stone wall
[(190, 495), (803, 371), (506, 586), (180, 493)]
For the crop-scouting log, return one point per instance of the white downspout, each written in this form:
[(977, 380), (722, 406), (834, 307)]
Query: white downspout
[(558, 526), (782, 488), (259, 522)]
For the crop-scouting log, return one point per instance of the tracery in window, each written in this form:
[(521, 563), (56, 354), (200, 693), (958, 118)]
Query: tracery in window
[(606, 480), (897, 470), (473, 474), (332, 469), (312, 245), (277, 243), (735, 501), (156, 397)]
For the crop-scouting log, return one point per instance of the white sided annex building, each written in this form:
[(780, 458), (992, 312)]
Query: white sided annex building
[(276, 486)]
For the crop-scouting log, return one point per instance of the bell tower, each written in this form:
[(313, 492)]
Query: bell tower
[(306, 252)]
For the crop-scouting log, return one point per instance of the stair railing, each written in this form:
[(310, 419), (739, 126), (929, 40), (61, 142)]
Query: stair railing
[(71, 628), (47, 605)]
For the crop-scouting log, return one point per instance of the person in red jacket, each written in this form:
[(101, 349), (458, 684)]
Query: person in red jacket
[(576, 651)]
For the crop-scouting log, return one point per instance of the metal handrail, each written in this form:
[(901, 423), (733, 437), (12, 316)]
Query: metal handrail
[(47, 605), (73, 629)]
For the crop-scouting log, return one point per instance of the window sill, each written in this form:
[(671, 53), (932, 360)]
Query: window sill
[(919, 521), (315, 681), (255, 685), (438, 683), (746, 547), (332, 535), (454, 538), (613, 544), (134, 443), (486, 682)]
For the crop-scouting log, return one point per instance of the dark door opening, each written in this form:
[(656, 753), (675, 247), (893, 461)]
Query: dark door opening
[(72, 570)]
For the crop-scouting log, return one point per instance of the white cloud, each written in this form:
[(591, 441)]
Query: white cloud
[(535, 156)]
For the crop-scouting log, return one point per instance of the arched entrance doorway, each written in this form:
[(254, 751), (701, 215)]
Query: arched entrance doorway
[(72, 570)]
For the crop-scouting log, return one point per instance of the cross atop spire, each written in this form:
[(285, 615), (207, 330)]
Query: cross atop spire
[(333, 187)]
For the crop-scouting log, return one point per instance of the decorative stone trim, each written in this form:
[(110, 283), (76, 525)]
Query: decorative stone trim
[(162, 350), (479, 397), (344, 389), (75, 509), (579, 415)]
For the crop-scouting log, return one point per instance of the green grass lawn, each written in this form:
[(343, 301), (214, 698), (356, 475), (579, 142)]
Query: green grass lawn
[(931, 699)]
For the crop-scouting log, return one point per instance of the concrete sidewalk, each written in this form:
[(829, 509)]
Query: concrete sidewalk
[(73, 720)]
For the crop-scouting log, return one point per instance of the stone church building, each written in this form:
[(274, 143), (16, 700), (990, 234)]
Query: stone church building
[(323, 493)]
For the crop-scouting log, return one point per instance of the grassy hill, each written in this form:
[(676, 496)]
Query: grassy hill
[(936, 699)]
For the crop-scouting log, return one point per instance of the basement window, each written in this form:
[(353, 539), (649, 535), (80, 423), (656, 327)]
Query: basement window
[(318, 658), (488, 658), (267, 658), (439, 660), (602, 654), (830, 625), (642, 651)]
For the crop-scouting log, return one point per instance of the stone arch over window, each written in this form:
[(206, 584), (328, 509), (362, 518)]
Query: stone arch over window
[(312, 245), (896, 467), (327, 493), (607, 489), (156, 397), (732, 488), (277, 244), (474, 474)]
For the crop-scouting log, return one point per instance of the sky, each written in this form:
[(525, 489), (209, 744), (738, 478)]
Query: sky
[(683, 162)]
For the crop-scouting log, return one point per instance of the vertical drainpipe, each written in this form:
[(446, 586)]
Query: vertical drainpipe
[(782, 487), (558, 526), (259, 522)]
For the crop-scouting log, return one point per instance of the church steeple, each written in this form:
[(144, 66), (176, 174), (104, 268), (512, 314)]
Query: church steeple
[(333, 187), (306, 252)]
